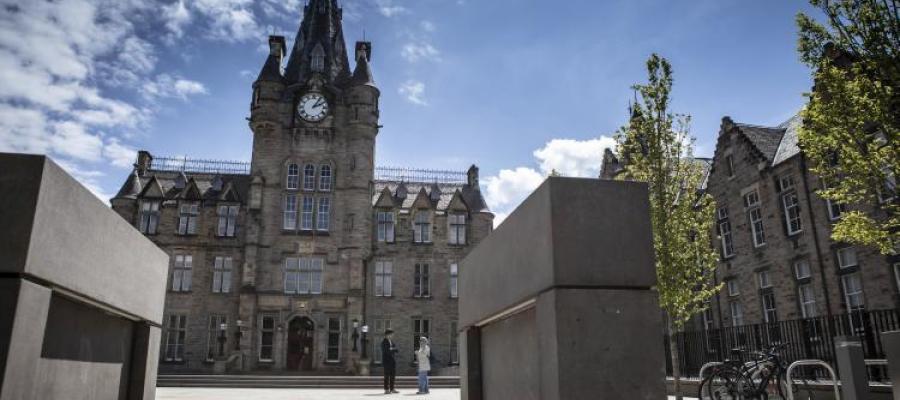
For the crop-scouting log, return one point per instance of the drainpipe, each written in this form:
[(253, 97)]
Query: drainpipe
[(812, 223)]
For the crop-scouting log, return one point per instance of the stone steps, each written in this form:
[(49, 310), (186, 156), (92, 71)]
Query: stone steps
[(308, 382)]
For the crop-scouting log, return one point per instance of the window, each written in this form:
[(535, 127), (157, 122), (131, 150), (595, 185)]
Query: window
[(764, 281), (422, 283), (835, 210), (306, 213), (212, 337), (770, 315), (853, 292), (176, 331), (751, 199), (725, 237), (266, 337), (733, 288), (708, 322), (309, 177), (422, 227), (149, 217), (385, 226), (333, 353), (729, 165), (227, 220), (785, 183), (792, 213), (457, 228), (737, 313), (756, 227), (421, 327), (384, 271), (454, 343), (847, 257), (381, 325), (807, 301), (303, 275), (897, 274), (325, 178), (222, 275), (181, 273), (255, 97), (290, 212), (454, 280), (187, 218), (317, 59), (322, 220), (801, 269), (888, 189), (293, 177)]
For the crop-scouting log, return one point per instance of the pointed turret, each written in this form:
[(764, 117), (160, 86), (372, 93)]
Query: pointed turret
[(362, 75), (271, 70), (319, 46)]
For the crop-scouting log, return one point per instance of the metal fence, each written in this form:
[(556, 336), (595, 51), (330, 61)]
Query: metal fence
[(184, 164), (400, 174), (810, 338)]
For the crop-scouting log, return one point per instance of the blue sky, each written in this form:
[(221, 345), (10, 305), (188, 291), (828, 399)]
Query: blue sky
[(518, 87)]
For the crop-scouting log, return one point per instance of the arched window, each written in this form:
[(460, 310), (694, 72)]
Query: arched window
[(293, 177), (325, 178), (309, 177), (318, 59)]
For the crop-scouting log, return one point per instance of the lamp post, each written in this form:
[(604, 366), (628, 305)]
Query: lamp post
[(222, 328), (238, 335), (365, 330), (355, 335)]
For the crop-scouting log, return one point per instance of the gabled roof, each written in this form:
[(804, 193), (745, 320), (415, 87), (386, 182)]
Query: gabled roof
[(775, 144), (764, 139), (161, 184), (471, 197), (790, 144)]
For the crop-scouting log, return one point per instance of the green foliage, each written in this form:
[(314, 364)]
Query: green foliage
[(852, 119), (658, 149)]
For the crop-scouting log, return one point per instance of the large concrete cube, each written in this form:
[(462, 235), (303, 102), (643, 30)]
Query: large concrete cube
[(81, 291), (557, 302)]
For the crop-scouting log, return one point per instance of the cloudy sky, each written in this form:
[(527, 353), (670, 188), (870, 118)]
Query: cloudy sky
[(519, 87)]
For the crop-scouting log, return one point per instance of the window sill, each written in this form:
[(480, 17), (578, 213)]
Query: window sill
[(384, 297), (422, 297), (265, 361), (422, 243), (226, 237), (792, 234), (338, 362), (174, 362), (181, 291), (186, 234)]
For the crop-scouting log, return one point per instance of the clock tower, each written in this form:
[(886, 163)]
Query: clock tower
[(314, 125)]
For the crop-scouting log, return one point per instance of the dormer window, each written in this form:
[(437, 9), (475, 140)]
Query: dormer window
[(457, 228), (293, 177), (325, 178), (386, 226), (187, 218), (422, 227), (317, 59), (149, 217), (309, 177)]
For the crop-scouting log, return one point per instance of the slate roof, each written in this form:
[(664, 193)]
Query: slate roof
[(789, 146), (764, 139), (271, 70), (167, 181), (473, 198)]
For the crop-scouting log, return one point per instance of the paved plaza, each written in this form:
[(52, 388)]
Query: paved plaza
[(300, 394)]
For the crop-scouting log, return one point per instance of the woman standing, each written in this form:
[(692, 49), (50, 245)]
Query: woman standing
[(423, 356)]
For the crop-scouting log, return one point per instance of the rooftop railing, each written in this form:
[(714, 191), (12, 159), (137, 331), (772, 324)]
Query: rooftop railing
[(184, 164)]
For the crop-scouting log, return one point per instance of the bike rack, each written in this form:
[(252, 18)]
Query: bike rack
[(790, 381), (707, 365)]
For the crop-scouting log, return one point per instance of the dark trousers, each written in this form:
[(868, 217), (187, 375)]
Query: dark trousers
[(390, 374)]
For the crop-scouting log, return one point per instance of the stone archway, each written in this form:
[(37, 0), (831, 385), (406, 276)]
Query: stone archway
[(300, 341)]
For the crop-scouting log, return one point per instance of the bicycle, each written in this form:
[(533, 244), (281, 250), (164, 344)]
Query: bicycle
[(739, 380)]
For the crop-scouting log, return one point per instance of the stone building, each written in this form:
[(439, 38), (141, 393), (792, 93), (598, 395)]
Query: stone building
[(773, 231), (279, 264)]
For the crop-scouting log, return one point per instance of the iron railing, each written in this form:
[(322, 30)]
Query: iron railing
[(399, 174), (184, 164), (810, 338)]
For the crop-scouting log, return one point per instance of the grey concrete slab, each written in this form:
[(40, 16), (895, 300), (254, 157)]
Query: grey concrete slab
[(53, 225), (569, 232)]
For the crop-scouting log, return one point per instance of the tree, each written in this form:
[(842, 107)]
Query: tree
[(852, 119), (657, 148)]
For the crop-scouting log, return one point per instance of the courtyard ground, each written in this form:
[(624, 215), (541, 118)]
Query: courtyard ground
[(298, 394)]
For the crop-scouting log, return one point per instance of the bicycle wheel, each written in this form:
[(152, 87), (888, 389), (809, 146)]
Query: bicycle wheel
[(721, 385)]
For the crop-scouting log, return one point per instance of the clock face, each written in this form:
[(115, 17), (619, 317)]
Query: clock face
[(313, 107)]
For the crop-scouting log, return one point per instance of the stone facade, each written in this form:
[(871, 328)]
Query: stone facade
[(289, 246), (793, 269)]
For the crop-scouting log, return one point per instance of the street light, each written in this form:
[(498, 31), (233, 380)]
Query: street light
[(222, 327), (365, 330), (238, 335)]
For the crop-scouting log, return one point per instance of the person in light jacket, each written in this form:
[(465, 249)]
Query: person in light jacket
[(423, 356)]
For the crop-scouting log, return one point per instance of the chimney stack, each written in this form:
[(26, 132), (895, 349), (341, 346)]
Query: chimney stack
[(364, 49), (276, 47)]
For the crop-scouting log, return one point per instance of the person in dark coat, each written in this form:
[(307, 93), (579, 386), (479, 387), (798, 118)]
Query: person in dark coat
[(389, 361)]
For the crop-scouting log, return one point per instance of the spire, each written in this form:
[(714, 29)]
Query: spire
[(319, 46), (271, 70), (362, 75)]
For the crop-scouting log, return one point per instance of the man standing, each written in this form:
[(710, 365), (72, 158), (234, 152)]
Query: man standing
[(388, 361)]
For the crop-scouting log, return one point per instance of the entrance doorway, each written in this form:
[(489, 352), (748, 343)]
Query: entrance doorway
[(300, 344)]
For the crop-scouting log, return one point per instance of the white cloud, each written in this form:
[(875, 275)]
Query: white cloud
[(118, 154), (576, 158), (414, 92), (414, 52), (71, 139), (230, 20), (166, 86), (176, 16), (428, 26), (389, 9)]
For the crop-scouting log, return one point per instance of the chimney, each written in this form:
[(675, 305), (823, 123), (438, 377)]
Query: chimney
[(276, 47), (144, 161), (727, 125), (364, 49), (472, 177)]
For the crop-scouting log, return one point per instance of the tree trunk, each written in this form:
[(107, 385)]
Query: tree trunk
[(676, 368)]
